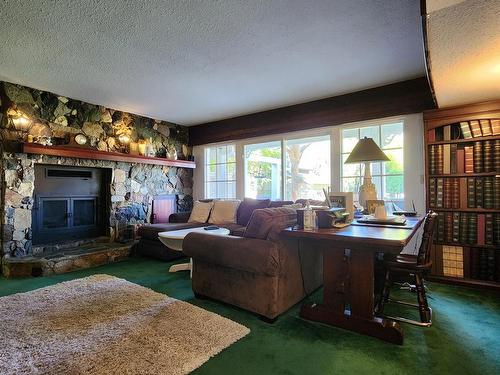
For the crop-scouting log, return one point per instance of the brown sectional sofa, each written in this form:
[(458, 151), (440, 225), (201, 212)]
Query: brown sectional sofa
[(149, 244), (262, 271)]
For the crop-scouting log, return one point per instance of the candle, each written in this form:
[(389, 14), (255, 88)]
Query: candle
[(134, 148), (142, 147)]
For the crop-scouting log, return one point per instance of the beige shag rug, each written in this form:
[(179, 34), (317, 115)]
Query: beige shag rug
[(105, 325)]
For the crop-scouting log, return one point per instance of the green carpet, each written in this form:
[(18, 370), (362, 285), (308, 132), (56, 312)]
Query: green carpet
[(464, 339)]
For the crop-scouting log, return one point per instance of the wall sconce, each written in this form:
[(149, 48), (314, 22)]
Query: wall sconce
[(21, 122), (124, 139)]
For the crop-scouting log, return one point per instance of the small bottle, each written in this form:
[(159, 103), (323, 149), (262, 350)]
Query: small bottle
[(308, 217)]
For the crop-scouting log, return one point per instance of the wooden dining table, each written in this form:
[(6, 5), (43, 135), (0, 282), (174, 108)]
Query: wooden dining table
[(348, 275)]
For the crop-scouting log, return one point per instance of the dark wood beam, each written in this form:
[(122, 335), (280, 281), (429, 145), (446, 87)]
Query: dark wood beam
[(396, 99)]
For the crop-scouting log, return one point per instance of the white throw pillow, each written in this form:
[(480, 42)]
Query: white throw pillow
[(224, 212), (201, 212)]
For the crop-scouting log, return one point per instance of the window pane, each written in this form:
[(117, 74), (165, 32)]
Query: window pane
[(351, 184), (396, 165), (231, 190), (211, 190), (375, 169), (221, 172), (392, 135), (370, 132), (221, 154), (307, 167), (378, 185), (393, 187), (350, 169), (231, 171), (211, 155), (221, 189), (349, 139), (210, 171), (263, 170), (231, 154)]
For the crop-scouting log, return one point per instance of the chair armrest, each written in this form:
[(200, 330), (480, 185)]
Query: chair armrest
[(245, 254), (179, 217)]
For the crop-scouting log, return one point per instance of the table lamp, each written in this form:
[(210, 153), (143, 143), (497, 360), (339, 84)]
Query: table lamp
[(366, 151)]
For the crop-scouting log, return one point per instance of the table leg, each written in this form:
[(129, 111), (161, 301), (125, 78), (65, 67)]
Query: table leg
[(349, 280)]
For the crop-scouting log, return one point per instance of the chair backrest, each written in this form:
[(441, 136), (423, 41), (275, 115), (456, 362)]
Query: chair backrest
[(424, 252)]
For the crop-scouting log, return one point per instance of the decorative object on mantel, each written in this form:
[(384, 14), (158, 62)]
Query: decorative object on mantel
[(81, 139), (366, 151)]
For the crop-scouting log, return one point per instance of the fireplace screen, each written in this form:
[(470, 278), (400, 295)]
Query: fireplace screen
[(68, 204)]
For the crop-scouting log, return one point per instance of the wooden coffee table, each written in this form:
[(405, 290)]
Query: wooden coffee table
[(174, 239)]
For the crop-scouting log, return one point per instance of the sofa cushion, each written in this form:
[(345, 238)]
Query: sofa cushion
[(275, 204), (201, 212), (267, 223), (224, 212), (248, 206), (151, 231)]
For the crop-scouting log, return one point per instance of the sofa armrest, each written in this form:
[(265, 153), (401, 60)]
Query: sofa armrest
[(245, 254), (179, 217)]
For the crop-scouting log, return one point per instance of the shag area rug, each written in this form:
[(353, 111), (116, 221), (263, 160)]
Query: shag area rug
[(105, 325)]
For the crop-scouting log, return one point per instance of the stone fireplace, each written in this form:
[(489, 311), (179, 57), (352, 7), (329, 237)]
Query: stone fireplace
[(127, 192)]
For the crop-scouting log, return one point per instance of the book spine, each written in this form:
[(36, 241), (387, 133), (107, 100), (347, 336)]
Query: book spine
[(478, 157), (466, 132), (488, 156), (447, 193), (440, 227), (496, 192), (448, 227), (453, 159), (432, 192), (471, 192), (485, 127), (446, 159), (488, 229), (488, 192), (496, 155), (490, 272), (439, 192), (463, 192), (475, 129), (496, 229), (472, 228), (455, 196), (432, 159), (495, 126), (474, 263), (431, 135), (460, 160), (459, 227), (479, 192), (469, 159), (439, 159), (447, 133), (481, 229)]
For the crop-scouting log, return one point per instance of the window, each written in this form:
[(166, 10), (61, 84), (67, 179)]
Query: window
[(307, 167), (220, 172), (263, 170), (387, 176)]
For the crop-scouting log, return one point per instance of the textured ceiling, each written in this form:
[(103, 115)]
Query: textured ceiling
[(464, 51), (191, 62)]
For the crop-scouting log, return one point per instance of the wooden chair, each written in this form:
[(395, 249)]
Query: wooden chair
[(415, 266)]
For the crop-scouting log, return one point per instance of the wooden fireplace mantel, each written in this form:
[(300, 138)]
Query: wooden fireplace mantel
[(84, 153)]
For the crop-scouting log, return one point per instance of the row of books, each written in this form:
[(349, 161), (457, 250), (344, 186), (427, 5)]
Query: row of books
[(476, 263), (468, 228), (465, 192), (482, 156), (465, 130)]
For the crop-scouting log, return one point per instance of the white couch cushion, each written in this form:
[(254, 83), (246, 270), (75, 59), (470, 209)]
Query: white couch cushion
[(224, 212), (201, 212)]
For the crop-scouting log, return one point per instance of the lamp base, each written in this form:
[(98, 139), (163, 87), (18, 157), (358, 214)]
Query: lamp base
[(367, 191)]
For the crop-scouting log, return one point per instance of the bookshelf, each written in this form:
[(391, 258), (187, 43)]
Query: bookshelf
[(462, 175)]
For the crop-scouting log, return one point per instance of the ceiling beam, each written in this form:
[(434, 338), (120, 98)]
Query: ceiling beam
[(400, 98)]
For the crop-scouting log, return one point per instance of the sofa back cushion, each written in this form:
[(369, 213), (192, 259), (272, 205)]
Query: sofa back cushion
[(224, 212), (201, 212), (267, 223), (248, 206), (274, 204)]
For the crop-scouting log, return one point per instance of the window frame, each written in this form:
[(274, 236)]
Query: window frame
[(206, 164)]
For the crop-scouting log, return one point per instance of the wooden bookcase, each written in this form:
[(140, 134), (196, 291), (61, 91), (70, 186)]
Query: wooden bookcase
[(461, 258)]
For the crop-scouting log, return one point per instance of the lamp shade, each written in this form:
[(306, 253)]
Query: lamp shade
[(366, 150)]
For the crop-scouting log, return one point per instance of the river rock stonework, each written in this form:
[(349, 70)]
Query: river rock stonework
[(133, 187)]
